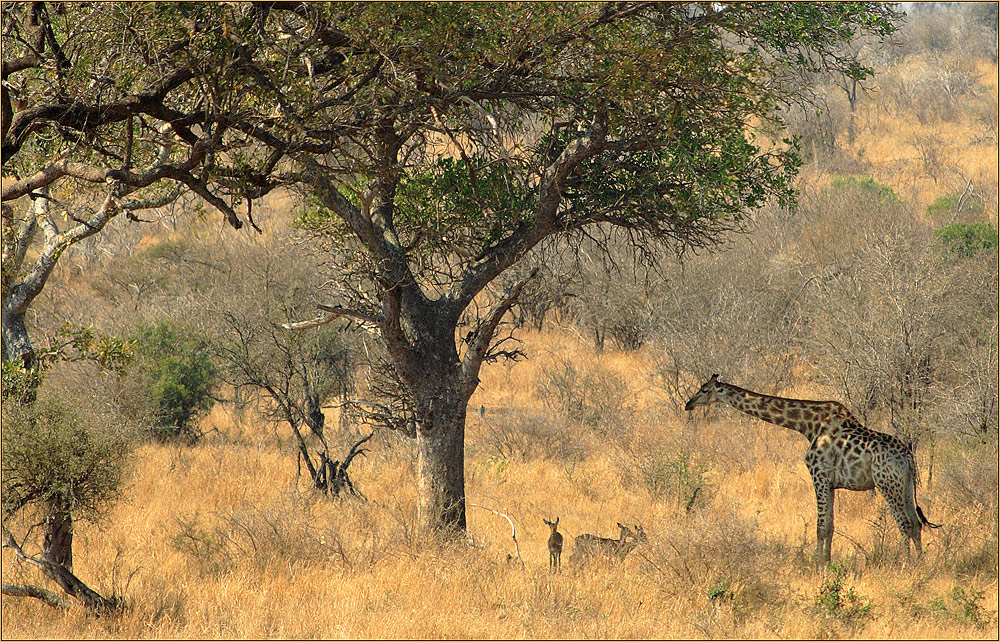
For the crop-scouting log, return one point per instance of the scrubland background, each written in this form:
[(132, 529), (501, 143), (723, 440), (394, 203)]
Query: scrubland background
[(880, 290)]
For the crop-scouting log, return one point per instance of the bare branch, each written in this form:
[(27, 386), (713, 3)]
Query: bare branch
[(513, 529), (480, 339), (331, 314), (28, 590)]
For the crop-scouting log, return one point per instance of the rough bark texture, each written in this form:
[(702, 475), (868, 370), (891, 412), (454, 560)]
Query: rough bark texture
[(16, 343), (57, 543), (441, 467)]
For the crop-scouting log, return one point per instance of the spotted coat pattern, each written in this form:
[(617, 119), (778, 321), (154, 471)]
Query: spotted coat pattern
[(842, 453)]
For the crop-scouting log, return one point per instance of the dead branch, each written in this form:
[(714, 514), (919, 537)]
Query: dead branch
[(513, 530), (62, 576), (27, 590), (331, 313)]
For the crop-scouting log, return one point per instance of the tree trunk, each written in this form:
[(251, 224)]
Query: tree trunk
[(441, 466), (16, 343), (57, 543)]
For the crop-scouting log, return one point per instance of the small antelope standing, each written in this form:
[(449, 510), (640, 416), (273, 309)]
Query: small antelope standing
[(555, 545), (587, 545)]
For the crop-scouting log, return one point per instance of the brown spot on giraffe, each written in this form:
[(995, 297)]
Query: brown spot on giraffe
[(842, 453)]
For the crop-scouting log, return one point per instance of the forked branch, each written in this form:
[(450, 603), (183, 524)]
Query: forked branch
[(513, 529)]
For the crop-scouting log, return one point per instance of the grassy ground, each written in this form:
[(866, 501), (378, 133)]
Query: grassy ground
[(216, 541)]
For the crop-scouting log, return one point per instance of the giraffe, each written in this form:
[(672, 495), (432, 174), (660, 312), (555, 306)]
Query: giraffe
[(842, 453)]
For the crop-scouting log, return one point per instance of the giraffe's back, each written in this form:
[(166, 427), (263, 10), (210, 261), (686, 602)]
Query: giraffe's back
[(859, 458)]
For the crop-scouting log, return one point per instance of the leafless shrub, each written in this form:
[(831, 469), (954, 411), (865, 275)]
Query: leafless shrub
[(589, 396), (526, 434), (735, 313), (282, 531), (723, 557)]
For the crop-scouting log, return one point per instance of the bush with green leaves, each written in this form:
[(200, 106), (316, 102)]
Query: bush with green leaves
[(176, 364), (676, 474), (864, 185), (967, 239), (57, 454), (953, 206)]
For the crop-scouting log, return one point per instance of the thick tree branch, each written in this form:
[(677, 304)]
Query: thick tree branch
[(28, 590), (64, 578), (479, 340)]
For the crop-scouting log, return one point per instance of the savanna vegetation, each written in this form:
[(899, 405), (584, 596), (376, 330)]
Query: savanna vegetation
[(561, 219)]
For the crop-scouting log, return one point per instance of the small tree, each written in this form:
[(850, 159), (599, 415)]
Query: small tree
[(288, 376), (60, 463), (176, 364)]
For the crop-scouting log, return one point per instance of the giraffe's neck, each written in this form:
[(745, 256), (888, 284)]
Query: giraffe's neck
[(801, 415)]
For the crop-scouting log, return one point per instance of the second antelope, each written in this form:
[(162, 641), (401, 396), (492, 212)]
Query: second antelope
[(555, 545), (587, 545)]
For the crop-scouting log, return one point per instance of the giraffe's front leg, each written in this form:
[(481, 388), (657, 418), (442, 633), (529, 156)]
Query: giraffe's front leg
[(824, 518)]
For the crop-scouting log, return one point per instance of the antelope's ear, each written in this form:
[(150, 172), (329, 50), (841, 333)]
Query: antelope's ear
[(620, 526)]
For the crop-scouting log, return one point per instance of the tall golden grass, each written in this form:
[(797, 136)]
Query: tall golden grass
[(217, 540)]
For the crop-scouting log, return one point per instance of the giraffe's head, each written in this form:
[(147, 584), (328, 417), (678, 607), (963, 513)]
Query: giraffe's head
[(706, 395)]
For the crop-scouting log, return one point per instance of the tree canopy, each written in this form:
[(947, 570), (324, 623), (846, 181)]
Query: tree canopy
[(439, 143)]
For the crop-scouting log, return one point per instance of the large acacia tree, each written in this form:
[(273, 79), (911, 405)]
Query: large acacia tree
[(439, 144)]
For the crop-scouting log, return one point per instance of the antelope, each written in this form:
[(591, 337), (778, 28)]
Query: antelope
[(587, 545), (555, 545)]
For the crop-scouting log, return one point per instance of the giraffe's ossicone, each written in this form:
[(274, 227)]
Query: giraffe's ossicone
[(842, 453)]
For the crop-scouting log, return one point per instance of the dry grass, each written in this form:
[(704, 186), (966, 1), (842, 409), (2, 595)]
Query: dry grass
[(215, 541)]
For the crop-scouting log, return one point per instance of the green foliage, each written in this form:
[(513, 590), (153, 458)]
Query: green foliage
[(867, 186), (968, 239), (57, 454), (71, 343), (20, 384), (457, 196), (178, 365), (839, 602), (969, 605), (952, 205), (83, 344)]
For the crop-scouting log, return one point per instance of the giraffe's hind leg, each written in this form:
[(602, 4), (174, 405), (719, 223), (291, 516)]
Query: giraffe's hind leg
[(899, 496)]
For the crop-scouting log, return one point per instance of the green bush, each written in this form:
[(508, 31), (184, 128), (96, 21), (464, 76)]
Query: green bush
[(178, 368), (949, 206), (676, 474), (967, 239), (20, 384), (55, 453), (865, 185), (840, 602)]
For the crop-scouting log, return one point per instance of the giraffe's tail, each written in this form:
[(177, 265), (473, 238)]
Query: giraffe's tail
[(913, 486), (924, 520)]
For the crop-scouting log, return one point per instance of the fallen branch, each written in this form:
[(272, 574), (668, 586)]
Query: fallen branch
[(62, 576), (513, 530), (38, 592)]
